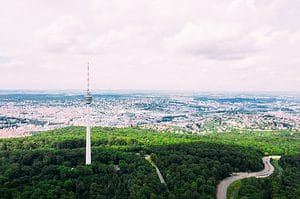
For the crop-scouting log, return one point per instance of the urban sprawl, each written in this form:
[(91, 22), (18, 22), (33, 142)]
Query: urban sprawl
[(24, 114)]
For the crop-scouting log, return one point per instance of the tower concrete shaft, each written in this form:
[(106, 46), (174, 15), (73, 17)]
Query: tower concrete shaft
[(88, 156), (88, 101)]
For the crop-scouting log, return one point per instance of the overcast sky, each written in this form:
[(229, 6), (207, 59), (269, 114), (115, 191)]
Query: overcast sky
[(213, 45)]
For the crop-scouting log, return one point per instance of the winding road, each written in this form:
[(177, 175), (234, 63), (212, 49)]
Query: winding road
[(224, 184)]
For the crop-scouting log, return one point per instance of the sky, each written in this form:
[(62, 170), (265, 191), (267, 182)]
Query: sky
[(215, 45)]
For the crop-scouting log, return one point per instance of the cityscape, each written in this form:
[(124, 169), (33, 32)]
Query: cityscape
[(149, 99), (25, 113)]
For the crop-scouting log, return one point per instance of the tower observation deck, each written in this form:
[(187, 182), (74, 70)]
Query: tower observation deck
[(88, 96)]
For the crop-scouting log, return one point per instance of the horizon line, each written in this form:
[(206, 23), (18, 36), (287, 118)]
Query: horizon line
[(96, 91)]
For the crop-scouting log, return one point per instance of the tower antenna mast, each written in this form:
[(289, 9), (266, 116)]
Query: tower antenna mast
[(88, 77)]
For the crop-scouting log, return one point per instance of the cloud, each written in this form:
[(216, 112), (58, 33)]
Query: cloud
[(62, 35), (152, 44), (131, 38), (216, 40), (4, 59), (9, 61)]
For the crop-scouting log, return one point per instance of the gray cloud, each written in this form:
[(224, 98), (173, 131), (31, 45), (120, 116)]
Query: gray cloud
[(170, 44)]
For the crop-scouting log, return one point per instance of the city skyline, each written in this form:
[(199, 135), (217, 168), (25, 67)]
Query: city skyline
[(151, 45)]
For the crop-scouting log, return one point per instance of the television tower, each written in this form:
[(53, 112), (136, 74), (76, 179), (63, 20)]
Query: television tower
[(88, 101)]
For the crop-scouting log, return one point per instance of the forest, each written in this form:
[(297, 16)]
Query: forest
[(284, 183), (51, 164)]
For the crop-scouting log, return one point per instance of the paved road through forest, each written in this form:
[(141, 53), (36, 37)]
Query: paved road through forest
[(224, 184)]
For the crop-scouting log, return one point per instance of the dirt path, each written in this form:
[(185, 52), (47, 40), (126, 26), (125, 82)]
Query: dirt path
[(161, 178)]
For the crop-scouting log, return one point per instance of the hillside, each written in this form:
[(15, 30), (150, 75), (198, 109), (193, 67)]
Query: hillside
[(51, 164)]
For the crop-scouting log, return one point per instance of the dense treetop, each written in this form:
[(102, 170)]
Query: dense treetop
[(51, 164)]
